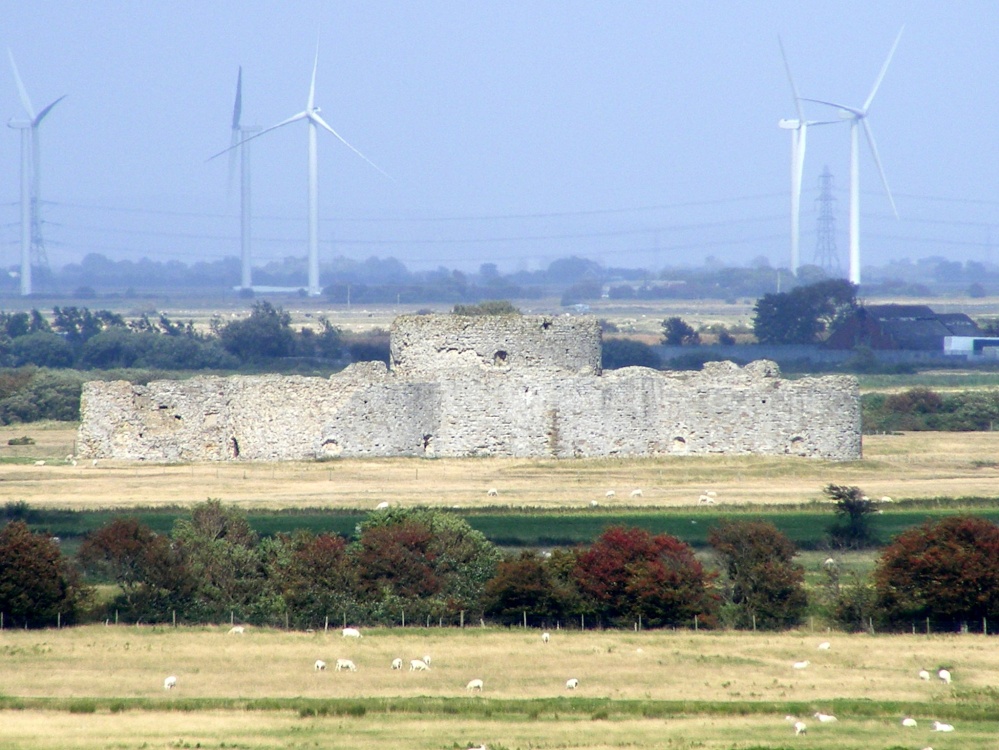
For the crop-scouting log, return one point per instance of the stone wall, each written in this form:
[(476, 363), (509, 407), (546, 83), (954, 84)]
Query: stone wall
[(546, 399)]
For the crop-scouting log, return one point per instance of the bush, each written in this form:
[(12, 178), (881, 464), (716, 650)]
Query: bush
[(946, 571), (617, 353), (40, 394), (25, 440)]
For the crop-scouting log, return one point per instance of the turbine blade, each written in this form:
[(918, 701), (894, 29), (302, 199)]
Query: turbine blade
[(312, 86), (237, 108), (790, 78), (322, 123), (41, 115), (877, 161), (295, 118), (884, 69), (859, 113), (22, 92)]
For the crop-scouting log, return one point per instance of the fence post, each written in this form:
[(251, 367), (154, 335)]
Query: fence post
[(927, 626), (175, 618), (58, 620), (404, 618), (985, 626), (462, 618), (326, 624), (695, 623), (754, 622), (232, 617), (286, 618), (582, 622), (345, 618), (116, 617)]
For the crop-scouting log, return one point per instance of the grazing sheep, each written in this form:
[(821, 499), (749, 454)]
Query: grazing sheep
[(426, 660), (636, 493), (829, 563), (170, 682), (799, 728), (801, 664), (924, 675), (39, 463), (350, 633), (609, 493), (594, 503), (824, 718), (72, 461), (908, 721), (571, 684), (887, 499), (939, 726), (492, 492), (320, 665), (237, 630), (474, 685), (381, 506), (416, 665), (397, 664), (944, 675), (342, 664), (706, 500), (479, 747), (545, 637), (824, 646)]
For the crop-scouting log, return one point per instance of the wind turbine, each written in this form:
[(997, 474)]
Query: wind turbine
[(32, 244), (858, 118), (799, 132), (314, 121)]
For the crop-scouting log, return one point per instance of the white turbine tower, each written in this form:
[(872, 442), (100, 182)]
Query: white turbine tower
[(858, 118), (799, 132), (314, 121), (32, 244)]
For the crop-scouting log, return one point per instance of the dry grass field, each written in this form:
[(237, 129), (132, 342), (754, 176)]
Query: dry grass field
[(654, 688), (913, 465)]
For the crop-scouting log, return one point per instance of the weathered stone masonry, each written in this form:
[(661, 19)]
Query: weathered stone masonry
[(526, 386)]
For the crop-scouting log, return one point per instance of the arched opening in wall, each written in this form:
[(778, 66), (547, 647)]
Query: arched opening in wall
[(546, 325), (797, 445), (233, 447), (428, 445), (331, 447), (679, 445), (499, 358)]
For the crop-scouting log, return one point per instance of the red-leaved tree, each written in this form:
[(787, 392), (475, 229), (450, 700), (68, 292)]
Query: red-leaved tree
[(629, 573), (947, 571)]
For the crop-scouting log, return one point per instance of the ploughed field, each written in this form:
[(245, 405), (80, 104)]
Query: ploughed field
[(97, 686), (910, 465)]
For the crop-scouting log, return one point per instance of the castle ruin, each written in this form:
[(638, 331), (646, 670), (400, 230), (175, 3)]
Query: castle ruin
[(520, 386)]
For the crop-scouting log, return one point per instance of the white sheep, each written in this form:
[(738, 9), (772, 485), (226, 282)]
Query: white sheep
[(706, 500), (320, 665), (571, 684), (887, 499), (342, 664), (824, 718), (636, 493), (39, 463), (479, 747), (545, 637), (908, 721), (944, 675), (426, 659), (594, 503), (397, 664), (825, 646), (924, 675), (382, 506), (237, 630), (829, 563), (474, 685), (800, 728), (492, 492), (416, 665), (801, 664), (170, 682), (350, 633), (939, 726), (609, 493)]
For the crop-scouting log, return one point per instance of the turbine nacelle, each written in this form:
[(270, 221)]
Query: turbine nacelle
[(786, 124)]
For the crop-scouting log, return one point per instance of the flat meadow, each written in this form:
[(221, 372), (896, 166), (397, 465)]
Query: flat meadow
[(102, 686), (910, 465)]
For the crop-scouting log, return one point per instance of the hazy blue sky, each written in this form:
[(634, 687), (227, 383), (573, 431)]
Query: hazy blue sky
[(634, 133)]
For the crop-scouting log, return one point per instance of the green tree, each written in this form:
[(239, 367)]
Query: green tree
[(316, 577), (44, 349), (764, 586), (220, 550), (854, 509), (527, 582), (37, 584), (265, 334), (802, 315), (678, 332), (947, 571), (487, 307)]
